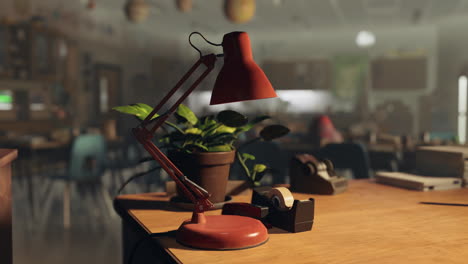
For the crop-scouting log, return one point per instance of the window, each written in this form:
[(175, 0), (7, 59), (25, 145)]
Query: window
[(292, 101), (462, 101)]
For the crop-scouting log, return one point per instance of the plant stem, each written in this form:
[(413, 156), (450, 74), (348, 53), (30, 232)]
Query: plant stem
[(242, 162), (169, 124), (254, 175), (213, 128), (174, 126), (136, 176)]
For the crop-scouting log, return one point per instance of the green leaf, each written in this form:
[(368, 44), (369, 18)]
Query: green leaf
[(207, 118), (207, 124), (193, 130), (231, 118), (185, 112), (174, 126), (190, 139), (259, 171), (209, 131), (260, 168), (165, 140), (225, 129), (139, 110), (251, 124), (220, 139), (175, 136), (248, 156), (148, 109), (271, 132), (220, 148)]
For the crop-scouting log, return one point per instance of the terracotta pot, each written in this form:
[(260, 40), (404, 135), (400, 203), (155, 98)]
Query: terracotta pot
[(210, 170)]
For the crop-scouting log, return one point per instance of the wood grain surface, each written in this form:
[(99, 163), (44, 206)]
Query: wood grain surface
[(369, 223), (6, 238), (7, 156)]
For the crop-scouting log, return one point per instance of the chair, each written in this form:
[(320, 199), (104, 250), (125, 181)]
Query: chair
[(87, 164), (347, 156), (125, 157)]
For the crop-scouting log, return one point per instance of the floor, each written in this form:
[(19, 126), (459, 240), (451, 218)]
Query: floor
[(94, 235), (39, 235)]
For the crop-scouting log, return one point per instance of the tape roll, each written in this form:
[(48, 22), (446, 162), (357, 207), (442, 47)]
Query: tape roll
[(281, 198), (321, 166)]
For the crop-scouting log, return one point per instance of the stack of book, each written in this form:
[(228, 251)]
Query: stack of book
[(443, 161), (437, 168), (417, 182)]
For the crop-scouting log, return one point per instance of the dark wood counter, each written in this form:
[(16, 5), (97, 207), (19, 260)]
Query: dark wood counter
[(6, 248)]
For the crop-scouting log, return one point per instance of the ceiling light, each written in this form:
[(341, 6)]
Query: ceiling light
[(239, 11), (365, 39), (277, 2), (184, 6)]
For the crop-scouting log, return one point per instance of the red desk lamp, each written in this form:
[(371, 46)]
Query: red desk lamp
[(240, 79)]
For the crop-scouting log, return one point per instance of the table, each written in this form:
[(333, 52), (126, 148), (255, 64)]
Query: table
[(7, 156), (34, 156), (369, 223)]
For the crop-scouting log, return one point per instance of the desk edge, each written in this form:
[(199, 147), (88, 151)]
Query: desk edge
[(7, 156), (135, 225)]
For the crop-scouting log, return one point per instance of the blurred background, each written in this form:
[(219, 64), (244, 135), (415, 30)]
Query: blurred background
[(390, 74)]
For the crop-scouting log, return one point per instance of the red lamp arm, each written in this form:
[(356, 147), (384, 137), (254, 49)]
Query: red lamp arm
[(195, 193)]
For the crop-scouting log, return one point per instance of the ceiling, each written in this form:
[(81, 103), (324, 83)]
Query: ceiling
[(288, 15)]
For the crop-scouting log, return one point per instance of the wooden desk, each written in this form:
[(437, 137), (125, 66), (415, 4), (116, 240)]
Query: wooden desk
[(369, 223), (6, 243)]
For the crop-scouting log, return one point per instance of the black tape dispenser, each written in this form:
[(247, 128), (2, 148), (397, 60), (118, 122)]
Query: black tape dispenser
[(276, 207), (310, 175)]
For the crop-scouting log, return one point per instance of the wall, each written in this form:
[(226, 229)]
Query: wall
[(108, 39), (327, 44), (453, 61)]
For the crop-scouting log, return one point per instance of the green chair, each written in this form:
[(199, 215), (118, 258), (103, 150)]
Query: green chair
[(87, 164)]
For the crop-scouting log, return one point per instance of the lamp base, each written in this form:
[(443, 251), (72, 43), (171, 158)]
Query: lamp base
[(222, 232)]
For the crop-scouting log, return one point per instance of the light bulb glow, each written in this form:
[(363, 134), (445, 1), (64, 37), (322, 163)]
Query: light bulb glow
[(365, 39)]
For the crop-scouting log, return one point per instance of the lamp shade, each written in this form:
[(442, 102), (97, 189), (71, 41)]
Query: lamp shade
[(240, 78)]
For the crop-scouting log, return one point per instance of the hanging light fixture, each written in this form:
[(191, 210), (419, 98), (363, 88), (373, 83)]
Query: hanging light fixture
[(91, 4), (184, 6), (137, 10), (239, 11)]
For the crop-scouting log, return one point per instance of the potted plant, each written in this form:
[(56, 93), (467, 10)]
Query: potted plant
[(204, 148)]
